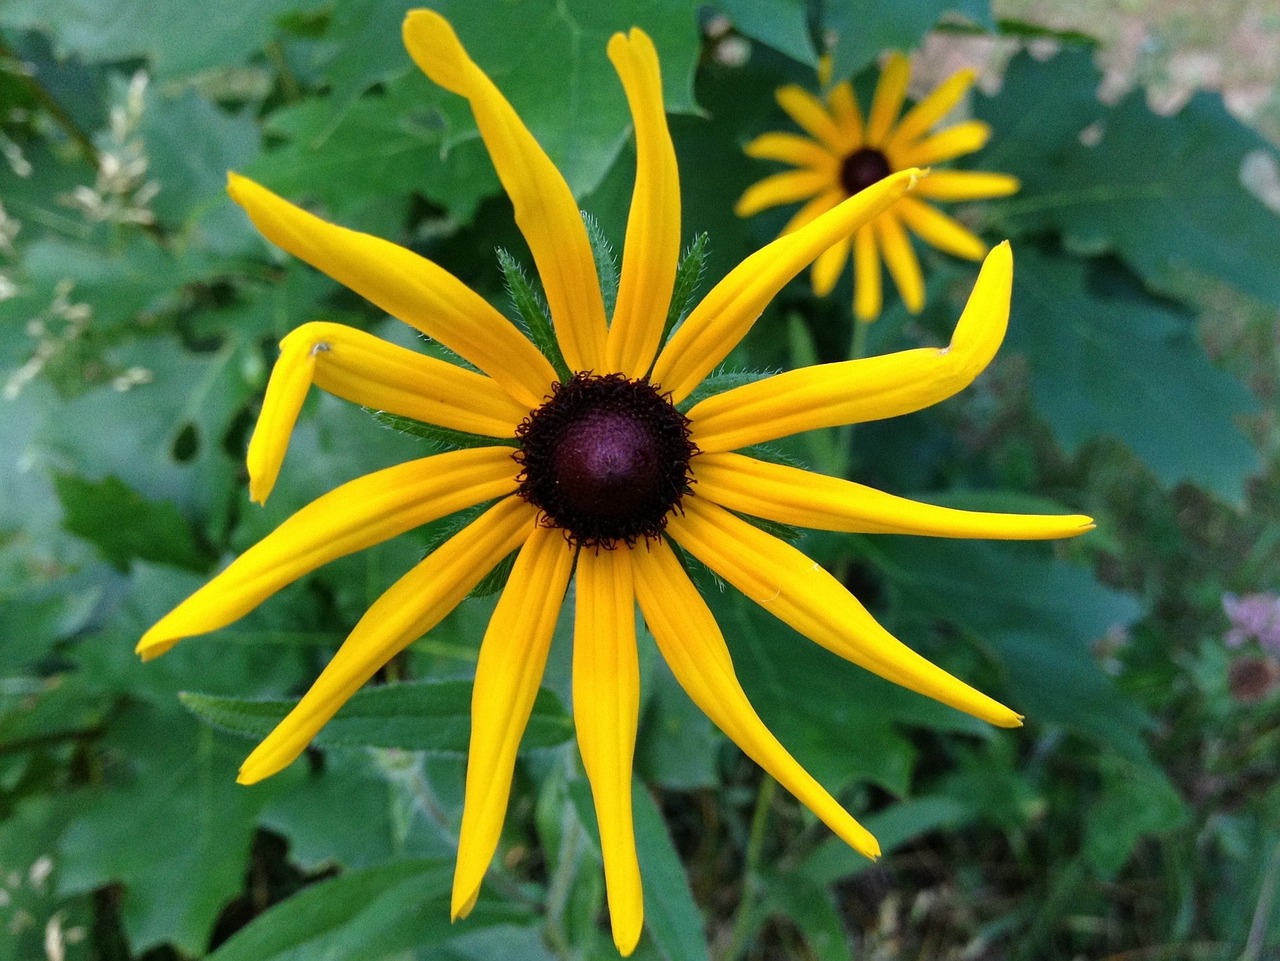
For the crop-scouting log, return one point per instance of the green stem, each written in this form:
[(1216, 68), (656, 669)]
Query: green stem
[(750, 870), (562, 883), (858, 348)]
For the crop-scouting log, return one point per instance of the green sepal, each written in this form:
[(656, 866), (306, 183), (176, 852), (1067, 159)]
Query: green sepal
[(442, 438), (606, 262), (443, 529), (532, 312), (688, 277)]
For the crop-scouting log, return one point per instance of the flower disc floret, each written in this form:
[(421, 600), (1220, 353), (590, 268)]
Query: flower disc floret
[(605, 459)]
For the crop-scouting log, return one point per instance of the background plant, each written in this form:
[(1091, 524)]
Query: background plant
[(1137, 812)]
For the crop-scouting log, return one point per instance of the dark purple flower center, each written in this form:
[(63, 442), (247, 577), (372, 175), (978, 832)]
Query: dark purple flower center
[(862, 168), (605, 459)]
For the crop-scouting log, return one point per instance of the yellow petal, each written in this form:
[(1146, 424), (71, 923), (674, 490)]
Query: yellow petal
[(406, 286), (781, 188), (369, 371), (811, 116), (941, 231), (814, 209), (793, 149), (513, 657), (606, 709), (726, 314), (359, 514), (545, 210), (802, 498), (963, 138), (967, 185), (798, 592), (844, 110), (652, 248), (891, 91), (901, 259), (868, 284), (827, 268), (871, 388), (409, 608), (694, 649), (931, 109)]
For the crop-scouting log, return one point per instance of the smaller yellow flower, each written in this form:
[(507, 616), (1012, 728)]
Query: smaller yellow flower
[(845, 153)]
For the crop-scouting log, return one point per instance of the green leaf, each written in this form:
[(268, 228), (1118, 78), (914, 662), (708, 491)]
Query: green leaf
[(812, 909), (841, 722), (1105, 358), (863, 29), (671, 916), (191, 144), (432, 715), (782, 24), (1134, 801), (374, 913), (355, 158), (568, 94), (179, 38), (176, 834), (1040, 617), (125, 526), (833, 860), (1166, 194), (677, 747)]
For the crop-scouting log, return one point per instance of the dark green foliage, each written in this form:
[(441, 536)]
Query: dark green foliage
[(1137, 811)]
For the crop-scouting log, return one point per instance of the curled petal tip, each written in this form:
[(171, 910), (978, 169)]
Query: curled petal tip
[(462, 906)]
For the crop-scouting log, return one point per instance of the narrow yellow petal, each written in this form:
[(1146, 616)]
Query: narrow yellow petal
[(871, 388), (291, 378), (827, 268), (868, 284), (606, 710), (967, 185), (369, 371), (652, 248), (798, 592), (811, 116), (931, 108), (545, 210), (940, 230), (790, 148), (844, 110), (802, 498), (513, 657), (359, 514), (901, 259), (406, 286), (781, 188), (886, 102), (726, 314), (814, 209), (694, 649), (956, 141), (409, 608)]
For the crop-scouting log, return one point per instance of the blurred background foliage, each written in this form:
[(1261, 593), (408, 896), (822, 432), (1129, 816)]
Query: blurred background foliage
[(1137, 815)]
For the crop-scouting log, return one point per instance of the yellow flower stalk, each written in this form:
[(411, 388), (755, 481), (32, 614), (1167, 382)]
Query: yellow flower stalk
[(845, 152), (597, 476)]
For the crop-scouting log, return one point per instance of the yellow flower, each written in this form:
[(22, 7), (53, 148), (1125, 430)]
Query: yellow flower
[(597, 476), (844, 154)]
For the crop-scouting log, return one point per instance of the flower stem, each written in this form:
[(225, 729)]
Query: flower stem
[(751, 867), (858, 348)]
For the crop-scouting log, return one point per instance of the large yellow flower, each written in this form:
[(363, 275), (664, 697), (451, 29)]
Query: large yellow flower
[(597, 475), (844, 154)]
